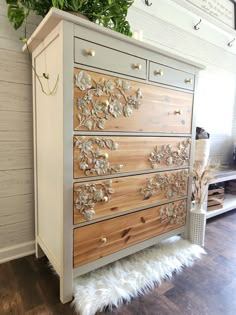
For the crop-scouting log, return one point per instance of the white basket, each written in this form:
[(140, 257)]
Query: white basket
[(197, 227)]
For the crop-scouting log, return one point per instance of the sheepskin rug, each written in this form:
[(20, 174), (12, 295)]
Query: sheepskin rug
[(132, 276)]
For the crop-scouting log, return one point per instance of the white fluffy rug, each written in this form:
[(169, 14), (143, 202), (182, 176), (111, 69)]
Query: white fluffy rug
[(131, 276)]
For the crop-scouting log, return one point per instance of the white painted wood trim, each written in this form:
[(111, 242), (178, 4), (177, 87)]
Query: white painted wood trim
[(17, 251), (49, 254), (49, 241), (66, 280)]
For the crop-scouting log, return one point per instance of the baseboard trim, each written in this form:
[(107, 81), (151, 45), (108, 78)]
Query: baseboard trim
[(17, 251)]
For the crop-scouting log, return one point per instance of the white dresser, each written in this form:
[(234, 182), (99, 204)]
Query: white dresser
[(112, 145)]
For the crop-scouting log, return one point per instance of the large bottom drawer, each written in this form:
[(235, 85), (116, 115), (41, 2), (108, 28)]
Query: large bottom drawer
[(100, 239)]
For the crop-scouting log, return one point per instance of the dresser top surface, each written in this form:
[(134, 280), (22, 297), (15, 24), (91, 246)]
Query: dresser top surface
[(55, 16)]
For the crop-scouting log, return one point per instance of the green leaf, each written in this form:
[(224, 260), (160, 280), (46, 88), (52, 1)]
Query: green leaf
[(16, 15), (11, 1)]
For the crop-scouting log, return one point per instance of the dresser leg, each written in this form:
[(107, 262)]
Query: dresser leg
[(38, 251), (66, 290)]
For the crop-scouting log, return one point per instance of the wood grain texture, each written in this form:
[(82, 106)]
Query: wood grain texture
[(156, 113), (127, 195), (15, 97), (16, 182), (16, 175), (118, 233), (16, 233), (15, 126), (16, 209), (132, 152), (15, 67), (15, 155)]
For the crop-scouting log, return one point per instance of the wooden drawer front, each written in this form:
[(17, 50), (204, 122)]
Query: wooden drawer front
[(97, 155), (103, 198), (166, 75), (106, 103), (88, 53), (100, 239)]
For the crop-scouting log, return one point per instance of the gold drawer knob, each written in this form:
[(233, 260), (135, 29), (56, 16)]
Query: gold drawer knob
[(103, 240), (188, 81), (177, 112), (138, 66), (106, 155), (105, 102), (105, 199), (159, 72), (91, 52)]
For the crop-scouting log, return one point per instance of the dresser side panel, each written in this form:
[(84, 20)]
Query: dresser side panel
[(49, 147)]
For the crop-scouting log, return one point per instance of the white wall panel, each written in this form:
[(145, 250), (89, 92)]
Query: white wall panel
[(169, 26), (16, 174)]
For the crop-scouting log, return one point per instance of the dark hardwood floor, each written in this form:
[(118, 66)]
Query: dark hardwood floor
[(27, 285)]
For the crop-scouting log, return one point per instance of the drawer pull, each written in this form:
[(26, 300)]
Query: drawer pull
[(103, 240), (177, 112), (190, 81), (91, 52), (105, 102), (159, 72), (105, 199), (138, 66)]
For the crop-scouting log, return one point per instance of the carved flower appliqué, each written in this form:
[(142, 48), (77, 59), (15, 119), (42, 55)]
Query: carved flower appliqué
[(173, 213), (170, 157), (103, 99), (87, 195), (173, 185), (91, 160)]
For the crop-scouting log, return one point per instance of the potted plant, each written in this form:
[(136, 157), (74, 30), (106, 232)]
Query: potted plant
[(109, 13)]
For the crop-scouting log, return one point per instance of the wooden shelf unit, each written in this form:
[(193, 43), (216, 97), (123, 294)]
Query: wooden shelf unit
[(224, 175)]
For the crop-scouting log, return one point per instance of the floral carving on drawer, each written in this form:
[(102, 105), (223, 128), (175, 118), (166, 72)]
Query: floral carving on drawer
[(171, 157), (173, 185), (91, 160), (101, 99), (173, 213), (87, 195)]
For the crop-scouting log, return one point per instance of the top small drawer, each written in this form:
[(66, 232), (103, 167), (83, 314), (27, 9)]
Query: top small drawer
[(166, 75), (88, 53)]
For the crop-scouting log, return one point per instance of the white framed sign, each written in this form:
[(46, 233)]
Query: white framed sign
[(223, 10)]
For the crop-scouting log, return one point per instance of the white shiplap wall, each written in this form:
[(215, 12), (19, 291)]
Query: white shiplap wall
[(165, 24), (169, 25), (16, 176)]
